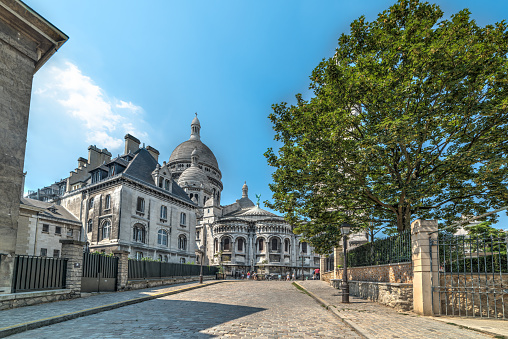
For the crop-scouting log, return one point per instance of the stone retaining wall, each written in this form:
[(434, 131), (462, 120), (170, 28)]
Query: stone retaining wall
[(390, 273), (327, 276), (148, 283), (13, 300), (396, 295)]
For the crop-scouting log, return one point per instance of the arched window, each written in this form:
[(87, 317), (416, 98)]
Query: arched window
[(162, 238), (90, 203), (274, 244), (304, 247), (161, 182), (140, 207), (240, 244), (182, 242), (139, 233), (164, 212), (106, 229), (90, 225), (182, 260), (160, 257), (107, 203), (166, 184), (216, 245), (260, 245), (286, 245), (183, 219), (225, 244)]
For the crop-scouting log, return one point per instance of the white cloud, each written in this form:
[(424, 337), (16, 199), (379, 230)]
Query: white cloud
[(104, 120)]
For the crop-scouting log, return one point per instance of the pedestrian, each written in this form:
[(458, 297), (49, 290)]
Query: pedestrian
[(280, 277), (255, 275), (243, 275), (287, 277), (316, 273), (294, 276), (248, 275)]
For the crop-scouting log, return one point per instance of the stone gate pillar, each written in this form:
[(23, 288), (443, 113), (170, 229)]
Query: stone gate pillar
[(423, 272), (72, 250), (123, 269)]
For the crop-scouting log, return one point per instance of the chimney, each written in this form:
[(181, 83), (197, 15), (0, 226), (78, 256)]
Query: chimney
[(105, 156), (131, 144), (82, 162), (153, 152), (94, 156)]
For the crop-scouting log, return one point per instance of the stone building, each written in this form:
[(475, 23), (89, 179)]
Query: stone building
[(240, 236), (42, 225), (131, 203), (27, 41)]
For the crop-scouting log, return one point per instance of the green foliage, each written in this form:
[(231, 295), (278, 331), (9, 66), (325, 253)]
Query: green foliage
[(484, 230), (408, 120), (103, 254)]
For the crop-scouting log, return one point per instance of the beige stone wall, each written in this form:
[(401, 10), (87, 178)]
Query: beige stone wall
[(391, 273)]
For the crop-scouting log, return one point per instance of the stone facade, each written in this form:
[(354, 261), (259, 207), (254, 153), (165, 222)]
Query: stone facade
[(390, 273), (8, 301), (27, 41)]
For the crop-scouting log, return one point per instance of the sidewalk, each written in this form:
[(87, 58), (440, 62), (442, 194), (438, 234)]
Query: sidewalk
[(26, 318), (374, 320)]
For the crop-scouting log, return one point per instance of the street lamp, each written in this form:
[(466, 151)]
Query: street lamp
[(344, 230), (201, 252), (303, 277)]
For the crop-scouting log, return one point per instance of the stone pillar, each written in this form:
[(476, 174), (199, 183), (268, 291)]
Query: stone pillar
[(338, 258), (322, 266), (423, 272), (72, 250), (123, 269)]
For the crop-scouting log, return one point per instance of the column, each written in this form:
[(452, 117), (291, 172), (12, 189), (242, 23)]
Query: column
[(123, 269), (423, 272), (72, 250)]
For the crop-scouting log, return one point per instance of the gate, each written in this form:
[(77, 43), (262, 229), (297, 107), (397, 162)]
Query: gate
[(99, 273), (473, 276)]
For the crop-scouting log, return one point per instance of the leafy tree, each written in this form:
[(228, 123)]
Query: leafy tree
[(408, 120)]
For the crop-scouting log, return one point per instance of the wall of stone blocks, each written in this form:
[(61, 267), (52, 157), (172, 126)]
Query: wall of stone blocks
[(8, 301), (391, 273)]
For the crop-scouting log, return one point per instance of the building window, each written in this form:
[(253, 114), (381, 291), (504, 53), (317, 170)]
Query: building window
[(183, 219), (198, 234), (240, 244), (182, 242), (160, 257), (90, 225), (44, 252), (216, 245), (45, 228), (164, 212), (107, 204), (260, 245), (139, 233), (139, 255), (162, 238), (140, 205), (165, 258), (69, 232), (286, 245), (304, 247), (182, 260), (274, 244), (90, 203), (106, 229), (225, 244), (56, 253), (58, 230), (166, 185)]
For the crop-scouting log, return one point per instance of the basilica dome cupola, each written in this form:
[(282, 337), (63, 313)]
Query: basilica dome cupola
[(195, 128)]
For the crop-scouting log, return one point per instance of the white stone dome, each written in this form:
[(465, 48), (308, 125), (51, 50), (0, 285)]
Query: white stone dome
[(193, 176)]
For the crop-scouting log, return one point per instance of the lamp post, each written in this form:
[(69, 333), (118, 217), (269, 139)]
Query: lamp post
[(344, 230), (303, 277), (200, 251)]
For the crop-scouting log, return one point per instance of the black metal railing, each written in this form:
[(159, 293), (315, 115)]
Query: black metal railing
[(394, 249), (38, 273), (140, 269), (97, 264)]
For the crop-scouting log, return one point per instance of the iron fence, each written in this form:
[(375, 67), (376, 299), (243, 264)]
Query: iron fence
[(394, 249), (96, 264), (140, 269), (38, 273), (473, 275)]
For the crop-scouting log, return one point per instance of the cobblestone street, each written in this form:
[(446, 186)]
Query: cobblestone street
[(237, 309)]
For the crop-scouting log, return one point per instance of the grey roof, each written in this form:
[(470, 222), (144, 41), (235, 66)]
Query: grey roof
[(141, 168), (183, 153), (245, 203), (60, 212), (193, 173)]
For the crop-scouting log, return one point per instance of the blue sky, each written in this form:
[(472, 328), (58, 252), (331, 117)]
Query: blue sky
[(145, 67)]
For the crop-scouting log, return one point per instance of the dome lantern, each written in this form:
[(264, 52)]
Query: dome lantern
[(195, 127)]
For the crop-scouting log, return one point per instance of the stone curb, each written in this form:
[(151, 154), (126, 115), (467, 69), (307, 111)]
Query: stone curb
[(334, 312), (18, 328)]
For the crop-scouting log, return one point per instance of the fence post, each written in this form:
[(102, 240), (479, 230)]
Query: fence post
[(72, 250), (338, 259), (423, 272), (123, 269)]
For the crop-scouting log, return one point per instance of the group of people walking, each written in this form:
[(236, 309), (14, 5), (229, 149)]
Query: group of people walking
[(254, 276)]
